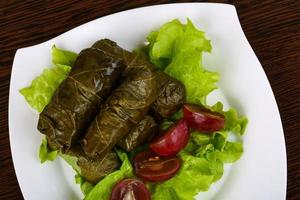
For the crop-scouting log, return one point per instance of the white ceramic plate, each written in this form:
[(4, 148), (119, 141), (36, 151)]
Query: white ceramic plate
[(260, 174)]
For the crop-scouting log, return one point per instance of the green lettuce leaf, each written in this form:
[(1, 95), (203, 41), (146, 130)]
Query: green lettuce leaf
[(165, 125), (219, 140), (200, 138), (162, 41), (233, 122), (165, 193), (45, 153), (177, 49), (72, 161), (102, 189), (85, 186), (177, 116), (63, 57), (232, 152), (42, 88)]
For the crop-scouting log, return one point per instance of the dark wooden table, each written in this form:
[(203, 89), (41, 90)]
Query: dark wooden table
[(272, 27)]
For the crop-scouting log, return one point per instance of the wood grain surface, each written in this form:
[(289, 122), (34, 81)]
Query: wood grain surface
[(272, 28)]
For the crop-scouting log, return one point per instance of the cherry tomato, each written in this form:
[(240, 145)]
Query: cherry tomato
[(175, 139), (203, 119), (151, 167), (130, 189)]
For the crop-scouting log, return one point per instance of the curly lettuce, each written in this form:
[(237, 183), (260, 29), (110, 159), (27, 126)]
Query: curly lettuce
[(177, 49), (233, 122), (85, 186), (45, 153), (63, 57), (42, 88)]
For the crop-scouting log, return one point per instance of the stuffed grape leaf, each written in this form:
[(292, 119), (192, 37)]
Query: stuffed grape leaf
[(171, 92), (171, 96), (124, 109), (143, 132), (93, 169), (79, 97)]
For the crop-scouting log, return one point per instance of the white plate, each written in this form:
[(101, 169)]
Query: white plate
[(260, 174)]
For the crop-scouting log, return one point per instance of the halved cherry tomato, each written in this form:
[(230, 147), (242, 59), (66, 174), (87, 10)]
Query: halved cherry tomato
[(151, 167), (175, 139), (203, 119), (130, 189)]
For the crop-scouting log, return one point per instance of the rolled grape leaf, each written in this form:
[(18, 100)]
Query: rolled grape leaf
[(131, 60), (79, 97), (171, 92), (171, 96), (125, 108), (143, 132), (92, 169)]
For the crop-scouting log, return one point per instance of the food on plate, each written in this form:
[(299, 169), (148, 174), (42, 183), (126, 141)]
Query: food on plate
[(130, 189), (126, 120), (154, 168), (170, 98), (171, 92), (202, 119), (132, 61), (142, 133), (102, 190), (172, 141), (93, 169), (123, 110), (79, 97)]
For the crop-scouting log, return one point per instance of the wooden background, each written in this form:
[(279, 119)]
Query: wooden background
[(272, 27)]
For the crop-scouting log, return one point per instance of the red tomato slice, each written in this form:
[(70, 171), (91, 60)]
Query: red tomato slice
[(154, 168), (203, 119), (130, 189), (172, 141)]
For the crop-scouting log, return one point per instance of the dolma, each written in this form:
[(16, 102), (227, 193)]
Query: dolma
[(171, 92), (171, 96), (95, 168), (124, 108), (143, 132), (78, 99), (131, 60)]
